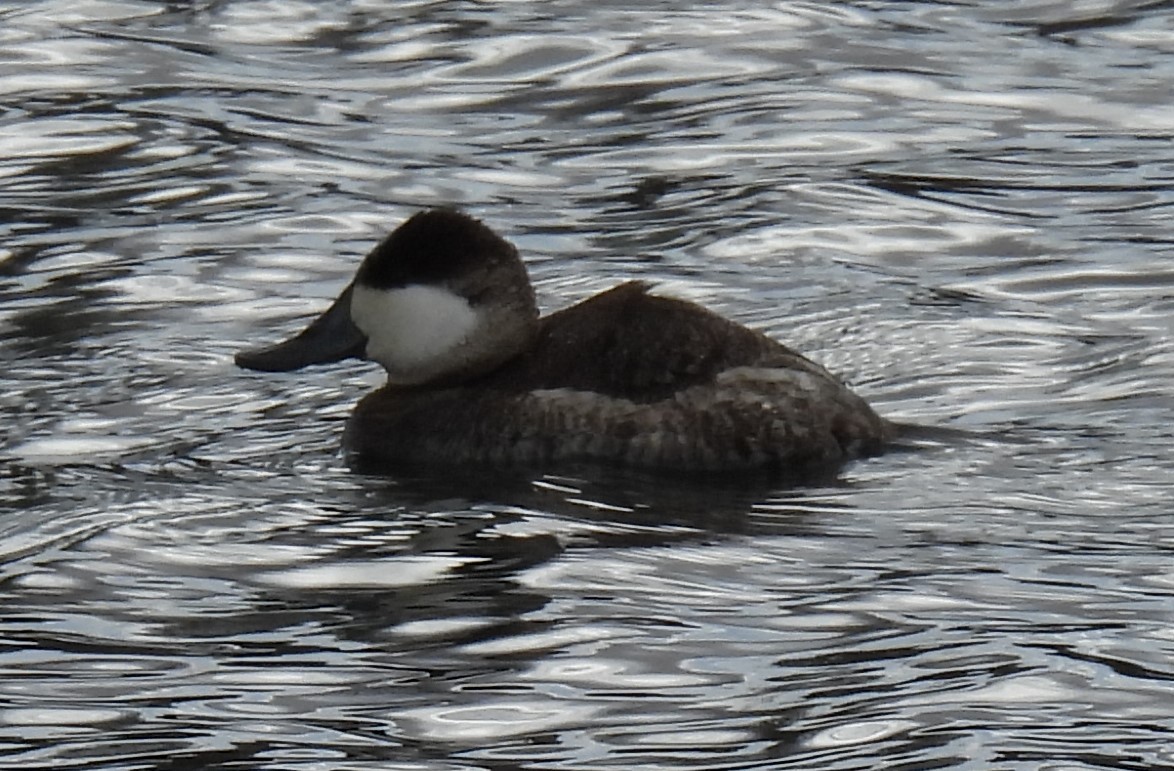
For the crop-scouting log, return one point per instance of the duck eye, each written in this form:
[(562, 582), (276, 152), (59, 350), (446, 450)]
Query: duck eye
[(480, 296)]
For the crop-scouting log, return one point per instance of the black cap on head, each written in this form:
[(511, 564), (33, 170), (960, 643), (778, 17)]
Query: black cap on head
[(430, 247)]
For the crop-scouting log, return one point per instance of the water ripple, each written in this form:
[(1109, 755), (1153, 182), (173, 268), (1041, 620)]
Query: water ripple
[(961, 209)]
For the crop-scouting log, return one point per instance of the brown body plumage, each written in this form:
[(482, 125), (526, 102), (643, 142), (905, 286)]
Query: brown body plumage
[(631, 378)]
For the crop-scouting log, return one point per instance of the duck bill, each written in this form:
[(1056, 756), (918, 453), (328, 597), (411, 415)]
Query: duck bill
[(330, 337)]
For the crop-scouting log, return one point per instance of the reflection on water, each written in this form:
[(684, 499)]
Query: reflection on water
[(963, 210)]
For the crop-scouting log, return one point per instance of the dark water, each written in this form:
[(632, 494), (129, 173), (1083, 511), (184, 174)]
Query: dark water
[(965, 209)]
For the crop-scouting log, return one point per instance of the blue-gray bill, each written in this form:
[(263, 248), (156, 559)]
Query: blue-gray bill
[(331, 337)]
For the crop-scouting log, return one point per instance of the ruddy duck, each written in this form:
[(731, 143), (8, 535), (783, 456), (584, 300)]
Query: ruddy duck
[(626, 377)]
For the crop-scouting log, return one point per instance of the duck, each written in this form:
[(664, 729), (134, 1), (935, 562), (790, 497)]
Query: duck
[(627, 377)]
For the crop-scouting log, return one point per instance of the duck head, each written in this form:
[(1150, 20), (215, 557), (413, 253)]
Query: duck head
[(443, 298)]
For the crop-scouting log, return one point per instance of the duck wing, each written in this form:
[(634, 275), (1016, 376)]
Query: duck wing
[(628, 343)]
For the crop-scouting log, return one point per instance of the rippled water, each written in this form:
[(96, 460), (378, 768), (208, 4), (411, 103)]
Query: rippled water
[(963, 208)]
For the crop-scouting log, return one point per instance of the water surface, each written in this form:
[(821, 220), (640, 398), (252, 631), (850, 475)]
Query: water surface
[(964, 209)]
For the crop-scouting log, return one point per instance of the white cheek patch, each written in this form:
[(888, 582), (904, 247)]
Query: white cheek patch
[(412, 330)]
